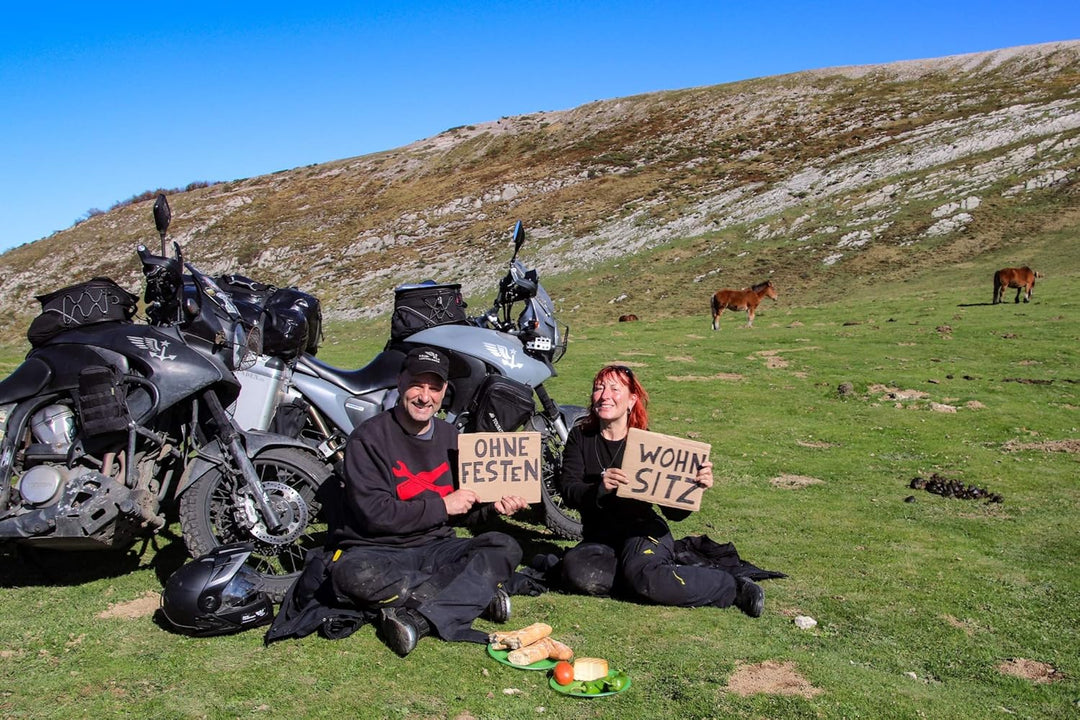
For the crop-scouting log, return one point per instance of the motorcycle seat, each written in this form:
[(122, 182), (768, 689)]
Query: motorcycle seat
[(28, 380), (380, 373)]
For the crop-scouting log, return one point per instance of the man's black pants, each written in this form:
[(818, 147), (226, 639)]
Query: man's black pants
[(450, 582)]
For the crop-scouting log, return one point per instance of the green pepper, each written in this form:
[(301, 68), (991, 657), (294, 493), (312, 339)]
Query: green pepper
[(594, 687), (616, 682)]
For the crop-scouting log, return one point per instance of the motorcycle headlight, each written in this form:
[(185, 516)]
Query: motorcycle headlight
[(246, 346)]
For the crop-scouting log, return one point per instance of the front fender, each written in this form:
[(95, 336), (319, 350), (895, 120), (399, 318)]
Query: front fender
[(213, 454)]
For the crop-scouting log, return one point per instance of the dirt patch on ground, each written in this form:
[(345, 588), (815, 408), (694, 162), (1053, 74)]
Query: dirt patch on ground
[(680, 358), (891, 393), (1033, 670), (967, 626), (773, 360), (770, 677), (704, 378), (1069, 446), (133, 609), (794, 482), (814, 443)]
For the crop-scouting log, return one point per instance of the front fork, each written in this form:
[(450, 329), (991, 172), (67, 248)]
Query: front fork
[(230, 437), (552, 413)]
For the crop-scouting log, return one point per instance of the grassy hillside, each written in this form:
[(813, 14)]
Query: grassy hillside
[(934, 607), (842, 175)]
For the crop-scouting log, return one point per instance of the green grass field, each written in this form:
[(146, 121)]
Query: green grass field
[(921, 606)]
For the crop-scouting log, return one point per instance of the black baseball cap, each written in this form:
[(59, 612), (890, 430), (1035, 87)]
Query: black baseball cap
[(426, 360)]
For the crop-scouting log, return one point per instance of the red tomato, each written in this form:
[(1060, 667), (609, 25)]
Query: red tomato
[(563, 672)]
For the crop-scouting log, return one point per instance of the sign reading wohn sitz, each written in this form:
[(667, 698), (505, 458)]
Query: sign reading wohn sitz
[(662, 469)]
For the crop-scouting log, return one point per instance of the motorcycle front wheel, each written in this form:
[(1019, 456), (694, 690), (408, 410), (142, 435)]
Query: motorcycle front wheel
[(213, 512)]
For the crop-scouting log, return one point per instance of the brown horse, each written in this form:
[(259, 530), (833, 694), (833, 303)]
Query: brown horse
[(1021, 278), (627, 318), (747, 300)]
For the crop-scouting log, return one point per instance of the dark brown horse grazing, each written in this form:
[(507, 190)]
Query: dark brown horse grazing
[(1021, 278), (747, 300)]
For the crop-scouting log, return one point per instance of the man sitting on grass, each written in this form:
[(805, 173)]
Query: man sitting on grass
[(396, 550)]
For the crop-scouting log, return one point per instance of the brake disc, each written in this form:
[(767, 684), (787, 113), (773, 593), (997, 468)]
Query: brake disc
[(291, 510)]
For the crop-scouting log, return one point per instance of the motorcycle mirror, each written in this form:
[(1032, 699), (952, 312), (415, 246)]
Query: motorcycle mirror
[(519, 238), (162, 216)]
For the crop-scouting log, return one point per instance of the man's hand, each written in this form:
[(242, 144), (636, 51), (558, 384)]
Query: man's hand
[(510, 504), (459, 502)]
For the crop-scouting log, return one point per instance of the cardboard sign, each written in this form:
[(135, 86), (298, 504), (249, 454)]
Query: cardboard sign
[(496, 464), (662, 469)]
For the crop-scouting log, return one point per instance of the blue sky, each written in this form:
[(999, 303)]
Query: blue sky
[(102, 101)]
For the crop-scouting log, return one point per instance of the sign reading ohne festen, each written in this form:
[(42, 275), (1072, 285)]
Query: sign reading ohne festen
[(662, 469), (494, 465)]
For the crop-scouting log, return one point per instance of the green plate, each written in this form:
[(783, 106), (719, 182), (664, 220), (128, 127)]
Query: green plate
[(566, 689), (500, 655)]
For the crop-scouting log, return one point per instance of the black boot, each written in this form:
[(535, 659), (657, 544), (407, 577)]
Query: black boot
[(498, 610), (402, 628), (749, 597)]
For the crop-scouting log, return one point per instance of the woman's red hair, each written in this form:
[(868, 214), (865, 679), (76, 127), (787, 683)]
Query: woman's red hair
[(639, 414)]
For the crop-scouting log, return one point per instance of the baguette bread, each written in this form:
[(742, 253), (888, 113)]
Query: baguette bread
[(543, 649), (586, 669), (519, 638)]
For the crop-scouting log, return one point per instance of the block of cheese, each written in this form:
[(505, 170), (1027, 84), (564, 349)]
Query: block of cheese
[(586, 669)]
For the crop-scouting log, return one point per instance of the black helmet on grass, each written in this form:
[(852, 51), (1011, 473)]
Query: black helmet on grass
[(216, 594)]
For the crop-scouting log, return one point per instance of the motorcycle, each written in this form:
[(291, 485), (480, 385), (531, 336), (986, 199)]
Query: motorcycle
[(109, 429), (498, 366)]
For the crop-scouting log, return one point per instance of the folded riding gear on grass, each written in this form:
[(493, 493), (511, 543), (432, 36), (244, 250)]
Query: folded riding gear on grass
[(216, 594)]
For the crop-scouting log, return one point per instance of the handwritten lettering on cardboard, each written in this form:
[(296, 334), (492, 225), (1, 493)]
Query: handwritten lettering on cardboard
[(495, 464), (662, 469)]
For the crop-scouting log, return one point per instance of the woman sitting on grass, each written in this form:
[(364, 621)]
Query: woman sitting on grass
[(626, 545)]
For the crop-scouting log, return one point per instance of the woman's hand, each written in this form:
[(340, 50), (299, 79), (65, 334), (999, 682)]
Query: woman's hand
[(510, 504), (612, 478), (704, 475)]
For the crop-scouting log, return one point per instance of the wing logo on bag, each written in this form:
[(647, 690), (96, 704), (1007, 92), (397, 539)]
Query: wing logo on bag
[(153, 346), (505, 355)]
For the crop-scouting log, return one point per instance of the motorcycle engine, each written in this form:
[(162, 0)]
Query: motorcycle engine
[(41, 485), (54, 425), (53, 428)]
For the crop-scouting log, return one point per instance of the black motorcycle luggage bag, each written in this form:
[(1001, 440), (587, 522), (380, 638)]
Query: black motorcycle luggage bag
[(418, 307), (284, 333), (244, 289), (98, 300), (101, 401), (500, 405), (294, 323)]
